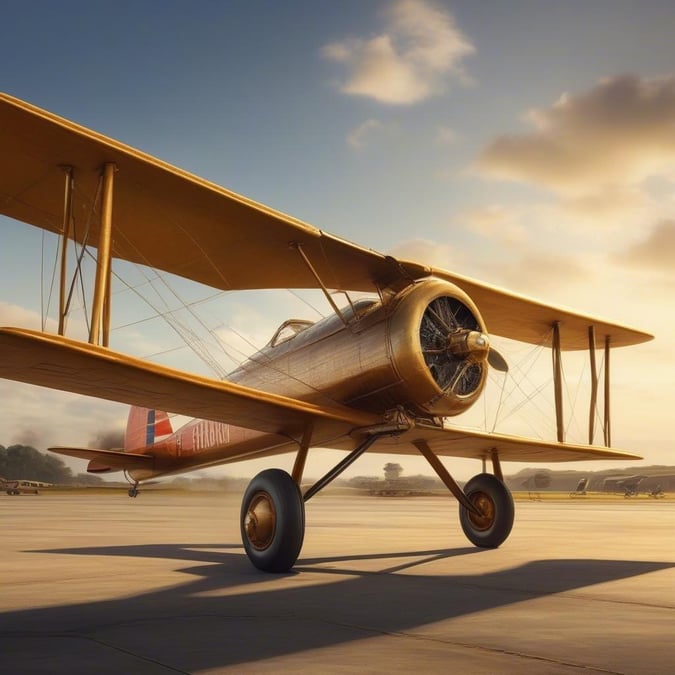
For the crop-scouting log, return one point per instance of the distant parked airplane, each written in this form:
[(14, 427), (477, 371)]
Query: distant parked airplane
[(23, 487)]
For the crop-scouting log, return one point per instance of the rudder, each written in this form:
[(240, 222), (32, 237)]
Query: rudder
[(144, 426)]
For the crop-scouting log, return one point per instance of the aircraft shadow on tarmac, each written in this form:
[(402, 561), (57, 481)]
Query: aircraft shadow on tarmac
[(199, 624)]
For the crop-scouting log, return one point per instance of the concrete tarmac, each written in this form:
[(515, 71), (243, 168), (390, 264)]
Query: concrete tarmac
[(93, 583)]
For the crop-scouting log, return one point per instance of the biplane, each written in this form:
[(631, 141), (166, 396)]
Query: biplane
[(385, 374)]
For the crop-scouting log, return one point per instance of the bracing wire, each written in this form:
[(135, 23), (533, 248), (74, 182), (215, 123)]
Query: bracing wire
[(191, 338), (572, 400), (526, 396)]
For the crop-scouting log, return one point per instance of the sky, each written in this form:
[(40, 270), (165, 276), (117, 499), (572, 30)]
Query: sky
[(529, 144)]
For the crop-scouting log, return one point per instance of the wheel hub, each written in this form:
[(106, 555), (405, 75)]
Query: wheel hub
[(483, 502), (260, 521)]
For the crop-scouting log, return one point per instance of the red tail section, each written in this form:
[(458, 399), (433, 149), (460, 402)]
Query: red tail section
[(144, 427)]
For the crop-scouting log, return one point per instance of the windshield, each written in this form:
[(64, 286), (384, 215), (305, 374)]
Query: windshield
[(288, 330)]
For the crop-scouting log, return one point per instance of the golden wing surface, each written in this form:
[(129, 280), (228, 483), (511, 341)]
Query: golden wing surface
[(469, 443), (165, 217), (68, 365), (521, 318), (174, 221)]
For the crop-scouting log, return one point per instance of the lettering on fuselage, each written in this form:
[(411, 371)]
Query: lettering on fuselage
[(209, 434)]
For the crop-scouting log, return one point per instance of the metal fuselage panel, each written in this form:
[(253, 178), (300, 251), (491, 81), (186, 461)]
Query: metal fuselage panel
[(374, 363)]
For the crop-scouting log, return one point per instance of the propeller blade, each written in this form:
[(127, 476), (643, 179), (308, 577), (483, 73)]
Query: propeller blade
[(497, 361)]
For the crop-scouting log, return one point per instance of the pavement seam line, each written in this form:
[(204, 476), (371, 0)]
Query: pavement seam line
[(90, 638), (467, 645)]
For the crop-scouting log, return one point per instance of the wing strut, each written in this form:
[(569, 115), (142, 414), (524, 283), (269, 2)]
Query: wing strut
[(298, 247), (100, 317), (608, 426), (594, 386), (557, 382), (67, 226), (593, 407)]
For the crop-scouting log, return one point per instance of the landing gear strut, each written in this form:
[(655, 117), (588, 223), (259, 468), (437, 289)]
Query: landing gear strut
[(486, 508), (273, 510), (133, 490), (272, 518)]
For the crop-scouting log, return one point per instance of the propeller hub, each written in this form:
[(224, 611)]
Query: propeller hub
[(469, 344)]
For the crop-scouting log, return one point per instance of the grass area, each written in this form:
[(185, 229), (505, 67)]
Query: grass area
[(518, 495), (524, 496)]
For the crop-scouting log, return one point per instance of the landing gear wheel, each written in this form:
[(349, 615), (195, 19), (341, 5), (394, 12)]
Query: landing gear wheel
[(495, 502), (133, 491), (272, 521)]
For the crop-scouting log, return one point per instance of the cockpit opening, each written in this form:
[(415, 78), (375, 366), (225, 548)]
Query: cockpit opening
[(292, 327)]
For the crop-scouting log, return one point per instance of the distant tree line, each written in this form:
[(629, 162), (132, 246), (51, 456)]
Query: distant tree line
[(27, 463)]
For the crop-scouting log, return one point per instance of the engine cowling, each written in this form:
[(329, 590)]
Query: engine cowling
[(439, 348)]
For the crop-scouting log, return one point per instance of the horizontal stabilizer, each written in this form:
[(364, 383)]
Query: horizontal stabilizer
[(109, 458)]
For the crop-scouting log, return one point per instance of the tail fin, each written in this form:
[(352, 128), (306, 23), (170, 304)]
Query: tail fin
[(144, 426)]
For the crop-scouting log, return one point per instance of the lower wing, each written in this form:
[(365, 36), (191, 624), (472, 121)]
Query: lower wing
[(460, 442), (69, 365)]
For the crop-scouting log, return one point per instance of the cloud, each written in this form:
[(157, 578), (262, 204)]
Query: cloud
[(426, 252), (496, 223), (508, 255), (610, 202), (596, 147), (367, 132), (13, 315), (446, 136), (410, 61), (656, 251), (357, 137), (43, 417), (544, 272)]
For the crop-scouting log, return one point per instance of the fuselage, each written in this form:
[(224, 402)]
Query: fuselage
[(387, 355), (408, 353)]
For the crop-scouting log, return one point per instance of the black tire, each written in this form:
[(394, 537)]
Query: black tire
[(272, 521), (494, 499)]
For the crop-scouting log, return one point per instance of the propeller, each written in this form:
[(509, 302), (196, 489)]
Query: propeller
[(454, 347), (497, 361)]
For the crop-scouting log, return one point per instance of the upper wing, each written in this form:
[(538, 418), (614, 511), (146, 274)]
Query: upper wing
[(164, 217), (60, 363), (175, 221), (459, 442), (521, 318)]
